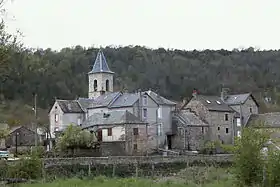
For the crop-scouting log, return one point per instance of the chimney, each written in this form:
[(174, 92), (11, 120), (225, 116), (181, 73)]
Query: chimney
[(194, 93), (224, 94)]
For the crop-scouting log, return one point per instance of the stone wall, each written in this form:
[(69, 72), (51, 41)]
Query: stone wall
[(225, 158)]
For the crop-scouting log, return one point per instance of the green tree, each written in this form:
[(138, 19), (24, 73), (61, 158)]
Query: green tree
[(74, 137), (249, 162)]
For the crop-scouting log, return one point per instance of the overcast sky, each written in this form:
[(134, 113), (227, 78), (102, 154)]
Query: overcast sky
[(180, 24)]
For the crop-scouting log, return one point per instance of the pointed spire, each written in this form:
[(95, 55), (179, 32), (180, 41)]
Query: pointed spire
[(100, 64)]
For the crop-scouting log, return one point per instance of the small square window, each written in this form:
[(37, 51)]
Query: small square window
[(135, 147), (226, 117), (227, 130), (144, 112), (135, 131), (145, 100), (202, 130), (218, 128)]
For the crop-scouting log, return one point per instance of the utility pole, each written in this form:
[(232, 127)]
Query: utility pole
[(35, 115)]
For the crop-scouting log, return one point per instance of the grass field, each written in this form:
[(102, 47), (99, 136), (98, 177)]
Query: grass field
[(190, 177), (129, 182)]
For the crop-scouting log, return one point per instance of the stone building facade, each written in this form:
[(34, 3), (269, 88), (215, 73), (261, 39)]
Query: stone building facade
[(225, 115), (147, 106)]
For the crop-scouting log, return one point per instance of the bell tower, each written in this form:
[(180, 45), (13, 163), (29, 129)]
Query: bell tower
[(100, 77)]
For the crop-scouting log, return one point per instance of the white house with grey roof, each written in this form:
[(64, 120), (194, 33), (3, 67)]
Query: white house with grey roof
[(147, 107)]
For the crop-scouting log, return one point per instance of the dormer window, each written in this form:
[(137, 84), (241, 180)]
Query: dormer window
[(218, 102), (208, 101)]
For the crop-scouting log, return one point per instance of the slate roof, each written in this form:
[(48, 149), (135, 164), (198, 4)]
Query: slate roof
[(69, 106), (269, 119), (238, 99), (100, 64), (104, 100), (191, 119), (159, 99), (114, 117), (85, 102), (214, 103), (125, 100)]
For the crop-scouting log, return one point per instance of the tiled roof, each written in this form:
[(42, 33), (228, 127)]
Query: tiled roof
[(69, 106), (237, 99), (159, 99), (111, 118), (267, 119), (100, 64), (214, 103)]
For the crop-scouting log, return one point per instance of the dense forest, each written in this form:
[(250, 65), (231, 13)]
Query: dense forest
[(172, 73)]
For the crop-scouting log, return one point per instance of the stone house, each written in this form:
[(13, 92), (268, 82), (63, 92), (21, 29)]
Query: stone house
[(224, 114), (21, 137), (268, 121), (191, 132), (148, 106), (119, 129)]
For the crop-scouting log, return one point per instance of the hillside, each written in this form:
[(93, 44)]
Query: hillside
[(172, 73), (17, 113)]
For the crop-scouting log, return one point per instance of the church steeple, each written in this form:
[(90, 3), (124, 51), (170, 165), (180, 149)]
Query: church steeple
[(100, 77), (100, 64)]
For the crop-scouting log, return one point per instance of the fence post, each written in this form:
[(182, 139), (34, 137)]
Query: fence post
[(153, 169), (89, 169), (114, 170), (136, 170)]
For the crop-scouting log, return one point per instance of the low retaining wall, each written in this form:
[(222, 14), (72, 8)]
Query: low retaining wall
[(228, 158)]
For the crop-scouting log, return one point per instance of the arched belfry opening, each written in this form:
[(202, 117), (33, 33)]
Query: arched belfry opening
[(107, 85), (95, 85)]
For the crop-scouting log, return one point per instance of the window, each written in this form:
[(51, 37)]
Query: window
[(79, 121), (56, 117), (238, 134), (226, 117), (107, 85), (238, 122), (135, 131), (55, 129), (95, 85), (218, 128), (145, 100), (227, 130), (218, 102), (159, 129), (202, 130), (55, 107), (160, 112), (135, 147), (251, 110), (109, 131), (144, 113)]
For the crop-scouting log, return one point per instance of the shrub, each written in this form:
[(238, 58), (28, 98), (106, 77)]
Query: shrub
[(26, 168), (273, 169), (248, 165)]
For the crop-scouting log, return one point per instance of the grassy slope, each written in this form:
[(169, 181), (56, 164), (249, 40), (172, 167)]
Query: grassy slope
[(17, 113)]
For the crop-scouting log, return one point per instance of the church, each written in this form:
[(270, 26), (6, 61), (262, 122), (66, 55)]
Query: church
[(113, 115)]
